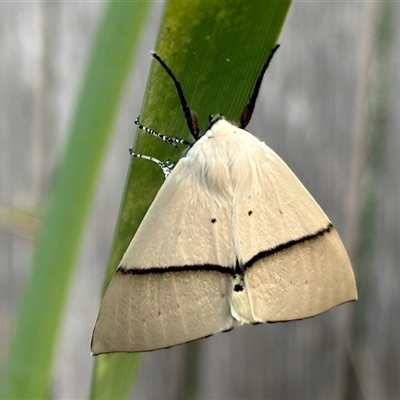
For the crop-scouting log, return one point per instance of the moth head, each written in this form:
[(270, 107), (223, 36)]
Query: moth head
[(215, 118)]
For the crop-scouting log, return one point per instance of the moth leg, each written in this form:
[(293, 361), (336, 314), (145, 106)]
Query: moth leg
[(168, 139), (166, 167)]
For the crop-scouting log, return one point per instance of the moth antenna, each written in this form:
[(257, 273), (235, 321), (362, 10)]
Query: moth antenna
[(248, 110), (191, 118)]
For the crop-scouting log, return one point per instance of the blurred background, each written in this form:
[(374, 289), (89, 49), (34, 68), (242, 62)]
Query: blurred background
[(329, 106)]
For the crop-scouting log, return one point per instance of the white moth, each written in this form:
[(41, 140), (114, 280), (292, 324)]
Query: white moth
[(232, 237)]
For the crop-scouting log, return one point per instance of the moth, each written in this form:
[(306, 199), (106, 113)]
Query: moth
[(232, 237)]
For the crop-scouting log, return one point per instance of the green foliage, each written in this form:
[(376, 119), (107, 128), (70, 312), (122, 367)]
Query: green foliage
[(28, 366)]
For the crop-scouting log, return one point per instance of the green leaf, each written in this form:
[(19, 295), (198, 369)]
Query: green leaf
[(216, 50), (28, 366)]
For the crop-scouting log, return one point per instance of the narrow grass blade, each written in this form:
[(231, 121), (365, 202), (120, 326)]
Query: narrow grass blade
[(28, 366)]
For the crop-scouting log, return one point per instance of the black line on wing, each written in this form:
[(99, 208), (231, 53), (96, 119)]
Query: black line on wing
[(290, 243), (182, 268), (224, 269)]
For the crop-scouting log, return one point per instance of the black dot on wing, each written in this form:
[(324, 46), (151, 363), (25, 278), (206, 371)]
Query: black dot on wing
[(238, 287), (250, 212), (213, 220)]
